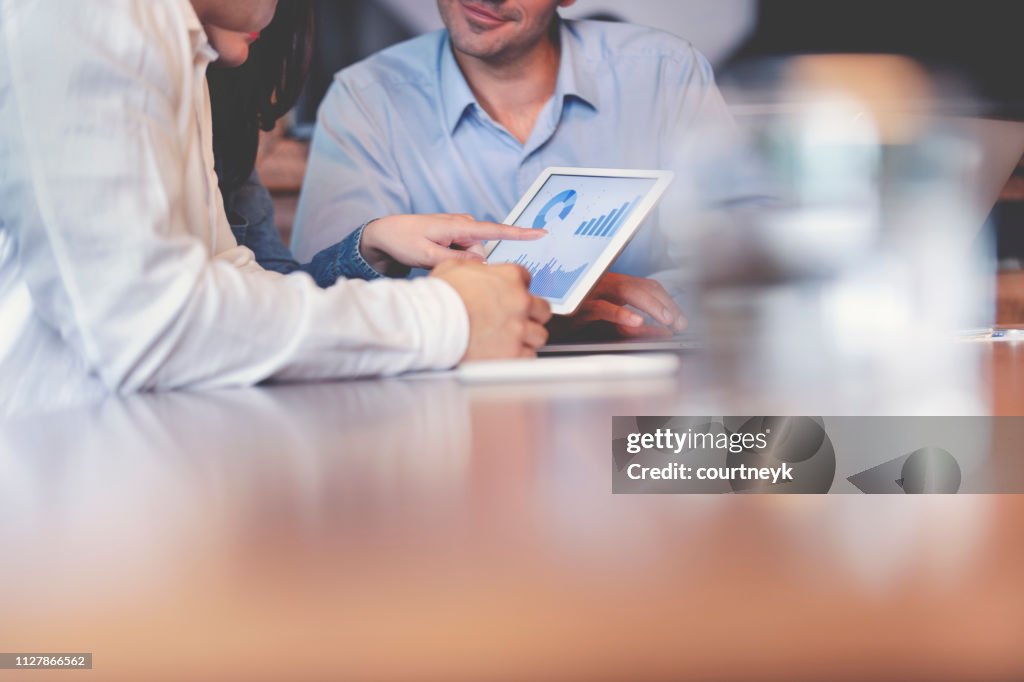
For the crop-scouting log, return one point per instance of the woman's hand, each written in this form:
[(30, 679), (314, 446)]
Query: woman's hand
[(426, 241), (505, 321)]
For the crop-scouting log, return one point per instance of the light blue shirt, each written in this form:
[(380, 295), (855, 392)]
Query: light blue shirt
[(401, 132)]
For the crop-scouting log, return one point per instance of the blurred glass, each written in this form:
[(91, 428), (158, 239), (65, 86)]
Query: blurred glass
[(837, 239)]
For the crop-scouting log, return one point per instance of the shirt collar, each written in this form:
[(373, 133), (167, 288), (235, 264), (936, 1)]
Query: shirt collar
[(456, 95), (573, 80), (201, 48)]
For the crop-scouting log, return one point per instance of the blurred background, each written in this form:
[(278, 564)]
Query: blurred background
[(972, 44)]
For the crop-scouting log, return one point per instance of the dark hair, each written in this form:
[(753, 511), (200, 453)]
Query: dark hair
[(252, 97)]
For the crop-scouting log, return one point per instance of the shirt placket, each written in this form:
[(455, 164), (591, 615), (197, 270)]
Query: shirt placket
[(531, 163), (203, 57)]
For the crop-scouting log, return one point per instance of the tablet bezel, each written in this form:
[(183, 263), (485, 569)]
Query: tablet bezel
[(616, 244)]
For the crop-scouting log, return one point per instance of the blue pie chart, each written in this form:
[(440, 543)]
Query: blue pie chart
[(566, 199)]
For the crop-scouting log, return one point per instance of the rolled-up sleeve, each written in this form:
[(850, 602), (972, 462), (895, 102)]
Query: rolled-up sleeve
[(254, 227)]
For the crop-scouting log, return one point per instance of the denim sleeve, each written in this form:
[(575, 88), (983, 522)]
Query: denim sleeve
[(251, 213), (265, 242), (341, 260)]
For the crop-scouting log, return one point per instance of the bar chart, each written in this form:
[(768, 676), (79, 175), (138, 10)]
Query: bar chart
[(551, 280), (584, 216), (607, 225)]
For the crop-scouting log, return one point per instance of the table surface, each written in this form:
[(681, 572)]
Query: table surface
[(420, 529)]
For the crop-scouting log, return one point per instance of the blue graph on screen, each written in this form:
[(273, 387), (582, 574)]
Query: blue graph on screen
[(585, 218), (550, 280), (607, 225), (567, 201)]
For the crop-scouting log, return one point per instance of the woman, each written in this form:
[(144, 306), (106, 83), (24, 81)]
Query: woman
[(259, 80), (116, 257)]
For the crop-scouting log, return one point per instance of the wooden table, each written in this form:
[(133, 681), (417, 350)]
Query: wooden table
[(421, 530)]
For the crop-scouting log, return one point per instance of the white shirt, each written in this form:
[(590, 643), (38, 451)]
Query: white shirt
[(116, 259)]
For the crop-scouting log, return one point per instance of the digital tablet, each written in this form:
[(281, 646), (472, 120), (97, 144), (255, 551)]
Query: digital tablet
[(591, 214)]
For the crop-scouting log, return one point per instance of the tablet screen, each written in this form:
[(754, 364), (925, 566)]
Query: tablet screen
[(582, 214)]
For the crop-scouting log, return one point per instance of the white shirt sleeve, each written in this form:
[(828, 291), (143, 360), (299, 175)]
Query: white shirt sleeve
[(105, 224)]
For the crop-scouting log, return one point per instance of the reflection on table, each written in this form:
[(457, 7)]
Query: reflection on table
[(419, 529)]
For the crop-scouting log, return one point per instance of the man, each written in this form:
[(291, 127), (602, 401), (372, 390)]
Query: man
[(464, 120), (118, 269)]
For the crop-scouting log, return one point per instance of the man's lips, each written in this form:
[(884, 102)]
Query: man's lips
[(480, 15)]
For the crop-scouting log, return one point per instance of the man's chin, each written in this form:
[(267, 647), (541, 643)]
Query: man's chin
[(483, 53), (484, 46)]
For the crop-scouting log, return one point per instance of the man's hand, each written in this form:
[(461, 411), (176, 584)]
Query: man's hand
[(505, 321), (426, 241), (605, 311)]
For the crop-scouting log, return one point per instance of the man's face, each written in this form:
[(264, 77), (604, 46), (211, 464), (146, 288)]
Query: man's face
[(498, 30)]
